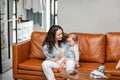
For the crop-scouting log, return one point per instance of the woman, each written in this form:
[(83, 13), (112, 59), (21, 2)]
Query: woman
[(54, 40)]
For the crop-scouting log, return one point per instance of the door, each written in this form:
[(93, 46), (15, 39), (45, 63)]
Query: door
[(5, 57)]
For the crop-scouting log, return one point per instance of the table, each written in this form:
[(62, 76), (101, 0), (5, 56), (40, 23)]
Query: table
[(82, 75)]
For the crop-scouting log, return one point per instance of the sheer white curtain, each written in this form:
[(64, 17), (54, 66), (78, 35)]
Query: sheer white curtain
[(35, 5)]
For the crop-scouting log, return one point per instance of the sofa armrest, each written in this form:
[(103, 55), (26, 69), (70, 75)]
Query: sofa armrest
[(20, 53)]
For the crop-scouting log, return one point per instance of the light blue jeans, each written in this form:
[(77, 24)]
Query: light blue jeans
[(48, 65)]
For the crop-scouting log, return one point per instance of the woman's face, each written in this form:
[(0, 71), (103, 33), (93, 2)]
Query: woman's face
[(59, 35)]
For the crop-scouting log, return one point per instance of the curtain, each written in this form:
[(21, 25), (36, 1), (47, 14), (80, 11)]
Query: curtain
[(35, 5), (34, 10)]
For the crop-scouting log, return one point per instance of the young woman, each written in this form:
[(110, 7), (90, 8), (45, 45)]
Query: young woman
[(54, 40)]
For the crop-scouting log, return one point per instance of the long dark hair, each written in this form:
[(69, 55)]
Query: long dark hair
[(51, 36)]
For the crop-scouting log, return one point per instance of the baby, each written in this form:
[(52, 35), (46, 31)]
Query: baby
[(73, 52)]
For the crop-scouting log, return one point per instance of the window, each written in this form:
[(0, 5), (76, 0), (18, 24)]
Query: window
[(35, 17)]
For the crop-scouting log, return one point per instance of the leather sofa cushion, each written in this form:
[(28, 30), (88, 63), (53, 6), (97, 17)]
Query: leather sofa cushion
[(32, 65), (86, 66), (37, 39), (89, 66), (113, 46), (110, 68), (36, 73), (92, 47)]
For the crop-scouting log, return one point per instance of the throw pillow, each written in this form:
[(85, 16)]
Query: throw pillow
[(118, 65)]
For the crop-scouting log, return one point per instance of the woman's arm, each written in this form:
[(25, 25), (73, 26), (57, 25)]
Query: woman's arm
[(58, 57), (46, 53), (50, 56)]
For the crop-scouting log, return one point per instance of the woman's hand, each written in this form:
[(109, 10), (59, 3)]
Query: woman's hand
[(60, 55)]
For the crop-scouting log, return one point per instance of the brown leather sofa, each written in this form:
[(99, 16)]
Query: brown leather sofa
[(96, 50)]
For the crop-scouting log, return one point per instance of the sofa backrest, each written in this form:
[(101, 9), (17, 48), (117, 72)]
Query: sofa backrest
[(37, 39), (113, 46), (92, 47)]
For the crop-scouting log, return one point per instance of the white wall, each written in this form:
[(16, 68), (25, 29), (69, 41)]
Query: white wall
[(20, 9), (90, 16)]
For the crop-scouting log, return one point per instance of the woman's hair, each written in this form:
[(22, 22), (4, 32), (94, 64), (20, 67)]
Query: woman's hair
[(51, 36), (74, 36)]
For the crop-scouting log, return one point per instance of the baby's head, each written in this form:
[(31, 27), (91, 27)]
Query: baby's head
[(72, 39)]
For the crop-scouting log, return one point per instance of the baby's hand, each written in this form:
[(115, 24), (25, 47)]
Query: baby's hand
[(65, 60), (62, 65)]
